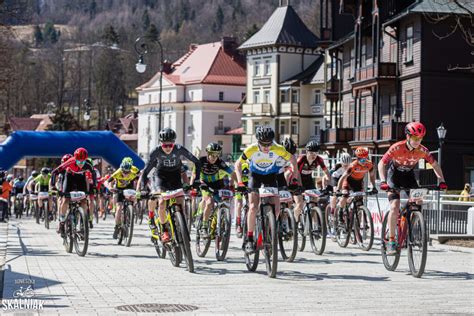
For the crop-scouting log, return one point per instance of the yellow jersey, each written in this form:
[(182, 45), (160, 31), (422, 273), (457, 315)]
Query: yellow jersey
[(122, 181), (264, 163)]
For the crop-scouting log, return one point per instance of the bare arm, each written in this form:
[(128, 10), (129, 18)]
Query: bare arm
[(294, 165), (438, 171), (372, 178), (238, 170), (382, 171)]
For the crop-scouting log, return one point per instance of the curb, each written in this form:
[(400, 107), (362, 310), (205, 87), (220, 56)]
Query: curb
[(437, 245), (3, 253)]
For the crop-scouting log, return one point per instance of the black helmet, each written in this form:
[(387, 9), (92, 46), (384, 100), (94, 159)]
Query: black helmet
[(289, 145), (167, 135), (34, 174), (44, 170), (214, 148), (312, 145), (20, 178), (265, 134)]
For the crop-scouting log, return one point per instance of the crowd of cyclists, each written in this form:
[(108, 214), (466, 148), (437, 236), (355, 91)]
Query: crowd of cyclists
[(166, 186)]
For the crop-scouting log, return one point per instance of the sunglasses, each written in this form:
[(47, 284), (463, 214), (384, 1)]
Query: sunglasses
[(416, 138), (80, 162), (170, 145), (266, 145), (214, 155)]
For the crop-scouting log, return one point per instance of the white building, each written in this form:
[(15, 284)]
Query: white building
[(200, 94), (285, 79)]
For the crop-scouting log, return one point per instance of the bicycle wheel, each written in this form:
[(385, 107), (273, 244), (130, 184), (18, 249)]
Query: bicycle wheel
[(142, 211), (37, 212), (270, 246), (364, 228), (251, 260), (317, 231), (129, 222), (330, 222), (96, 212), (46, 215), (287, 235), (68, 235), (301, 235), (417, 244), (343, 230), (184, 240), (223, 236), (80, 232), (390, 262), (202, 244)]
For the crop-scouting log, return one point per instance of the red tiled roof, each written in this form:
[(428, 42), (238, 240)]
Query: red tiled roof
[(227, 69), (23, 123)]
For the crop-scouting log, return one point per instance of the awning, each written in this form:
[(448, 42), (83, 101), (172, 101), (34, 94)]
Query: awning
[(236, 131)]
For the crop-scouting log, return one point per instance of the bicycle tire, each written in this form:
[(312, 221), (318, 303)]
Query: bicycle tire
[(301, 235), (330, 222), (222, 239), (292, 236), (390, 262), (46, 215), (184, 241), (343, 230), (68, 237), (363, 230), (83, 232), (202, 245), (96, 212), (317, 230), (37, 214), (130, 224), (270, 243), (251, 260), (418, 236)]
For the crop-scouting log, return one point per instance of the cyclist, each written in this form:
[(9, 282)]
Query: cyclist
[(41, 184), (4, 195), (239, 199), (396, 169), (211, 178), (166, 159), (26, 191), (18, 186), (74, 169), (336, 174), (262, 157), (353, 178), (123, 178)]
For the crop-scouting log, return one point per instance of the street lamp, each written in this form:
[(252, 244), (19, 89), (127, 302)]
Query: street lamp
[(87, 112), (441, 130), (141, 48)]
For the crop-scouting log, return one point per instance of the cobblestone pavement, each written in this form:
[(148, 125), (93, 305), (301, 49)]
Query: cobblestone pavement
[(342, 281)]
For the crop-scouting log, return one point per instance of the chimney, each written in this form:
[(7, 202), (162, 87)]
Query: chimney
[(192, 46), (229, 44), (167, 67)]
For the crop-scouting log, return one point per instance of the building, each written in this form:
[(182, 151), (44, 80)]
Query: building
[(391, 70), (200, 94), (285, 79)]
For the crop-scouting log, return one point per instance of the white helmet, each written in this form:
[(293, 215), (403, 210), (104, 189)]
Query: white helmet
[(345, 158)]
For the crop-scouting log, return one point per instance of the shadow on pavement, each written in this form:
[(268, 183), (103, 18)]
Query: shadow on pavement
[(442, 275), (296, 275)]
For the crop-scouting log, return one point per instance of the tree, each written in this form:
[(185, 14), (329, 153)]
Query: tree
[(251, 31), (219, 19), (38, 36), (152, 34), (50, 33), (110, 36), (92, 9), (145, 20), (64, 121)]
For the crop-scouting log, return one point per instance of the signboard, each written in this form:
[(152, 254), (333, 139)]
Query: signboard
[(316, 109), (262, 82)]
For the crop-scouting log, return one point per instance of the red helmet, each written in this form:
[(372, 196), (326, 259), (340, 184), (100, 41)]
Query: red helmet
[(361, 152), (415, 129), (81, 154), (65, 158)]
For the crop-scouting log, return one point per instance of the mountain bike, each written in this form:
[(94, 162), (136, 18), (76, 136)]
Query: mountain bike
[(18, 206), (76, 228), (219, 227), (311, 222), (411, 233), (243, 214), (141, 209), (265, 234), (42, 210), (125, 230), (287, 230), (356, 219)]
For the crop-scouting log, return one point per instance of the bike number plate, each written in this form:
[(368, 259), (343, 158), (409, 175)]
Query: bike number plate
[(172, 194), (417, 195), (33, 197), (130, 194), (285, 196), (268, 192), (77, 195), (43, 195), (226, 194)]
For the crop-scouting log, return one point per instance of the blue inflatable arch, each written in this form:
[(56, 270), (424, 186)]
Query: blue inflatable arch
[(55, 144)]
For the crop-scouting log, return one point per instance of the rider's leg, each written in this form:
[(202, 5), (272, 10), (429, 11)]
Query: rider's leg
[(207, 207), (276, 203), (251, 217), (299, 204), (392, 217)]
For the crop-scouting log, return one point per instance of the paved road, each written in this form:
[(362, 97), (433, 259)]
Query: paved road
[(340, 281)]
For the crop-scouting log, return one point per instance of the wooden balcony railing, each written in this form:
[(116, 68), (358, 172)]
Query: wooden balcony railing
[(386, 70), (365, 133), (339, 135), (290, 108), (393, 130)]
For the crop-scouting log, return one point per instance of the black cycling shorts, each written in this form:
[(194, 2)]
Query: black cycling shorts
[(308, 182), (75, 182), (281, 181), (267, 180), (397, 178), (354, 185), (169, 180)]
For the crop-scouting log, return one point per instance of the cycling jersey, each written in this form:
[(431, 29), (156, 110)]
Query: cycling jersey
[(74, 177), (18, 186), (338, 171), (211, 172), (405, 159), (265, 163), (169, 163), (357, 170), (122, 180), (306, 169), (245, 172), (43, 180)]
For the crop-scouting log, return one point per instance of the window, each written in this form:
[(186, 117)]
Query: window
[(191, 95), (220, 122), (393, 50), (408, 105), (352, 68), (284, 96), (220, 142), (221, 96), (149, 99), (244, 126), (266, 96), (256, 71), (409, 49), (363, 54), (363, 110), (351, 113), (268, 69), (256, 97), (169, 96), (283, 127), (317, 97), (295, 96), (316, 127), (294, 127)]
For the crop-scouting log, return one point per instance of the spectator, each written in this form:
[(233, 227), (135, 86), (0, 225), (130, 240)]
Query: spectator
[(465, 195)]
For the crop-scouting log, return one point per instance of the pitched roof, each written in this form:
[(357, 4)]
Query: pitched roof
[(23, 123), (45, 121), (307, 75), (212, 63), (284, 27)]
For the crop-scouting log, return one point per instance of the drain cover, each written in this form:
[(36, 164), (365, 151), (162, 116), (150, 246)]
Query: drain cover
[(156, 308)]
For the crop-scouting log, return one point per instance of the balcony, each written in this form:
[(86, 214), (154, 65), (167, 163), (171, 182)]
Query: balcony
[(339, 135), (257, 109), (393, 130), (333, 87), (221, 130), (371, 74), (295, 137), (365, 133), (290, 108)]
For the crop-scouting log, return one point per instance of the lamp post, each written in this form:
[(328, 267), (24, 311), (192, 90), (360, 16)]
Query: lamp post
[(441, 130), (87, 112), (141, 48)]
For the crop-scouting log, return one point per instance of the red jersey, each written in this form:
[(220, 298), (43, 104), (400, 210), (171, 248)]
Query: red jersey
[(357, 170), (404, 159), (305, 168), (70, 166)]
